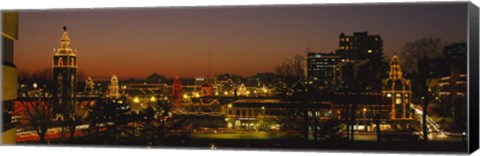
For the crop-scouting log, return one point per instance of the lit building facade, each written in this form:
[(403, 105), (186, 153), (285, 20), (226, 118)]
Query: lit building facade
[(142, 95), (206, 89), (397, 91), (320, 69), (64, 72), (450, 97)]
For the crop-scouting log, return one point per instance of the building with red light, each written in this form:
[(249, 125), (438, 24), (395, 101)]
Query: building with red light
[(176, 95)]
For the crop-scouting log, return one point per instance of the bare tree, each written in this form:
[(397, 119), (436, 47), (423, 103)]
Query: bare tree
[(42, 78), (421, 49), (292, 67), (39, 114), (76, 115), (424, 49)]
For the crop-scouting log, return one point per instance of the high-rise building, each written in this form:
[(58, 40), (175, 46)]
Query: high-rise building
[(453, 62), (362, 46), (320, 69), (9, 75), (397, 91), (64, 73), (456, 55)]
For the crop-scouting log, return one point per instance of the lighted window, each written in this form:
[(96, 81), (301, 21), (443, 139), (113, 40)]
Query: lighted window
[(370, 51), (398, 101), (389, 95), (398, 95), (60, 61)]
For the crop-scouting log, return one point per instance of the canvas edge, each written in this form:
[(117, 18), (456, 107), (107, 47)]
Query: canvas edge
[(473, 69)]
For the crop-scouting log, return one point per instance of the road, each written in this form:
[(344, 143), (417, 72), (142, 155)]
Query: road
[(434, 129), (52, 133)]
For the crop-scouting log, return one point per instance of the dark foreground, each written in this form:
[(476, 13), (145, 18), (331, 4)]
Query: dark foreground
[(443, 147)]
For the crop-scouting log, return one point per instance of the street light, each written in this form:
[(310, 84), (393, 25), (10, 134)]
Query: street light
[(228, 109), (364, 119)]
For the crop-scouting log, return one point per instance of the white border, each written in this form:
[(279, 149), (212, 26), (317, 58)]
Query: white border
[(50, 4)]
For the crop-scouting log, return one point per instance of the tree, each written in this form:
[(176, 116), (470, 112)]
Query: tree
[(39, 114), (42, 77), (111, 115), (76, 115), (330, 128), (227, 76), (292, 68), (156, 78), (422, 50), (376, 110)]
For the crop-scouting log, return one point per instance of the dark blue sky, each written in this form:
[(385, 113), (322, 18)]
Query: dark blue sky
[(242, 40)]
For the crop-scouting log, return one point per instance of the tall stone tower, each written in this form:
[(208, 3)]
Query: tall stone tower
[(113, 87), (64, 72), (397, 91)]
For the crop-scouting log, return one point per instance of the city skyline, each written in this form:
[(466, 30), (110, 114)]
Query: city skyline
[(241, 40)]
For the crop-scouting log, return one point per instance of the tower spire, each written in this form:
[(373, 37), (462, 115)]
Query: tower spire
[(395, 69), (65, 42)]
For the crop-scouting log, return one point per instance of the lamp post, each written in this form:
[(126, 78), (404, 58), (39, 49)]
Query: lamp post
[(364, 119), (263, 112), (228, 109)]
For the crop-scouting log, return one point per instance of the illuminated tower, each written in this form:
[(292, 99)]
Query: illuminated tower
[(64, 72), (397, 92), (89, 86), (177, 94), (113, 87)]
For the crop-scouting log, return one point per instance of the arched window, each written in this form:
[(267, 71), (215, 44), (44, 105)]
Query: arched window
[(60, 77), (60, 61)]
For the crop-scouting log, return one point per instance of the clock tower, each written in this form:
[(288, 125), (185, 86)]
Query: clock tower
[(64, 73)]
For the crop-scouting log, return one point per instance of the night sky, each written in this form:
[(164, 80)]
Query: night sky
[(242, 40)]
